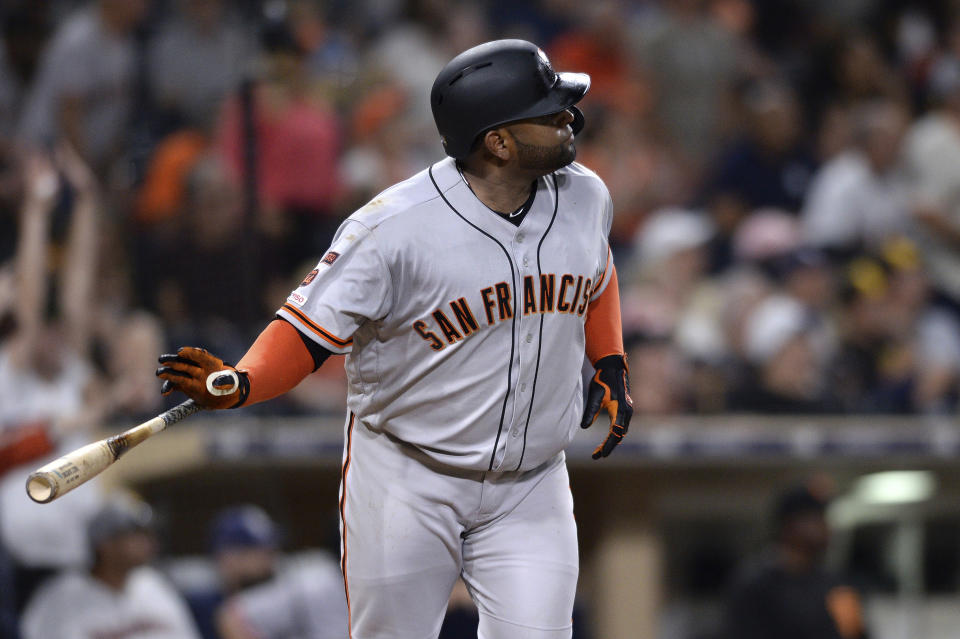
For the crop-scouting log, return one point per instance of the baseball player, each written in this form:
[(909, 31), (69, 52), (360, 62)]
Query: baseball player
[(465, 299)]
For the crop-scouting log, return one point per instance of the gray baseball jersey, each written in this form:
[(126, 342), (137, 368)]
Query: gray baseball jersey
[(464, 332)]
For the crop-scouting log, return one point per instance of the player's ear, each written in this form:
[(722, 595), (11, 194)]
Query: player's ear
[(496, 143)]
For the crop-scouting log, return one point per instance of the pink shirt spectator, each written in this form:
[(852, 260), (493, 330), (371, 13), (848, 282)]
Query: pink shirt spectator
[(298, 142)]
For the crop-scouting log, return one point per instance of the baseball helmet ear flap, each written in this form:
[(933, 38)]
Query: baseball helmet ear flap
[(578, 119)]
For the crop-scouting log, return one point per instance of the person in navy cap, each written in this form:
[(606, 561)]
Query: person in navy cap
[(244, 543)]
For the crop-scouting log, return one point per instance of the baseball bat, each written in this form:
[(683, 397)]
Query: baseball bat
[(77, 467)]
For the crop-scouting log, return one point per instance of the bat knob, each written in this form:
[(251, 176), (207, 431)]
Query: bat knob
[(218, 379), (40, 488)]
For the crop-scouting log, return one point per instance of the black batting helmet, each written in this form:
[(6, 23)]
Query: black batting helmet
[(499, 82)]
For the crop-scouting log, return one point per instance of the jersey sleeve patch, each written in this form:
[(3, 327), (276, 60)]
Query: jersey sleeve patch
[(311, 275), (350, 285), (297, 299)]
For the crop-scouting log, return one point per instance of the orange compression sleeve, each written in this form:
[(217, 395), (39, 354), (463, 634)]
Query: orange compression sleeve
[(604, 332), (277, 361)]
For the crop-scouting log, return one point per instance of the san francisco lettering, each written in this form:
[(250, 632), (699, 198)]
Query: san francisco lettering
[(548, 293)]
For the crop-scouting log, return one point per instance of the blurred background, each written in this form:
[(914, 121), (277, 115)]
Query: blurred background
[(786, 184)]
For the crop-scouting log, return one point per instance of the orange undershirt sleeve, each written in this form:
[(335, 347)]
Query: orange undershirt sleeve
[(276, 362), (604, 332)]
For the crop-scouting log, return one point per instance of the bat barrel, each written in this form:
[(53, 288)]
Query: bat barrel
[(66, 473), (73, 469)]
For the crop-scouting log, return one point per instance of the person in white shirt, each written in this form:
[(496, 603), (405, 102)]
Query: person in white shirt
[(932, 158), (859, 198), (120, 595)]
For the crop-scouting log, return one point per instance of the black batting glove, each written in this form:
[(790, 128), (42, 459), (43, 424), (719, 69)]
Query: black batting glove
[(610, 391)]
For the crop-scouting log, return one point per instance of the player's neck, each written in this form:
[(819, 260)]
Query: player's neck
[(499, 190)]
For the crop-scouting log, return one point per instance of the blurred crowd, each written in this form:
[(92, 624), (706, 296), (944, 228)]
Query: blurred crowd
[(245, 589), (785, 177)]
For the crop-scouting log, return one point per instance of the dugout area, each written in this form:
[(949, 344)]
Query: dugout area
[(663, 523)]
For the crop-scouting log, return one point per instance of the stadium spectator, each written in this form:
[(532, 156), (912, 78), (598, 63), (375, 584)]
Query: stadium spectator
[(161, 197), (411, 51), (45, 379), (898, 354), (785, 591), (598, 44), (383, 149), (642, 171), (694, 62), (862, 372), (244, 543), (848, 71), (659, 362), (197, 57), (9, 95), (805, 274), (770, 243), (932, 155), (787, 367), (83, 90), (298, 139), (667, 307), (306, 599), (207, 231), (331, 51), (859, 198), (770, 164), (929, 333), (119, 595), (668, 265), (539, 21), (860, 73), (72, 358), (11, 161), (24, 30)]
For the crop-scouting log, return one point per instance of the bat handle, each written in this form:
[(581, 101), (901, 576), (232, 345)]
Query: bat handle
[(180, 411), (119, 444)]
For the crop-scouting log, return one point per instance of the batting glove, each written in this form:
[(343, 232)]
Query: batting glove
[(609, 390), (204, 378)]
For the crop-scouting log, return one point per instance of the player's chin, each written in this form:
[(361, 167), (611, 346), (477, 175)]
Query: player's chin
[(569, 155)]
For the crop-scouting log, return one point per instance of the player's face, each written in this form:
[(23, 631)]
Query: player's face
[(546, 143)]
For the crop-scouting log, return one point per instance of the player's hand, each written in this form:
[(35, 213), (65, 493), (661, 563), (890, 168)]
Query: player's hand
[(610, 391), (204, 378)]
